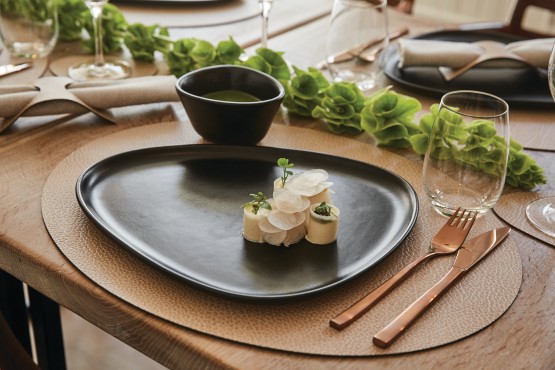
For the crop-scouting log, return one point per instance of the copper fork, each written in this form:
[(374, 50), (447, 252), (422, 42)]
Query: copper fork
[(447, 240)]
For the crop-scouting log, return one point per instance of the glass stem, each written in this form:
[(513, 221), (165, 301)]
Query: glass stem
[(96, 8), (266, 6)]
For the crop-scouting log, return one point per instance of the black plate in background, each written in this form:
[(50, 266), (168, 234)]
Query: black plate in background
[(517, 86), (180, 209), (170, 2)]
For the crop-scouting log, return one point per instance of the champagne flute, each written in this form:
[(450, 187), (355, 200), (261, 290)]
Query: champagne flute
[(265, 6), (99, 68), (541, 212)]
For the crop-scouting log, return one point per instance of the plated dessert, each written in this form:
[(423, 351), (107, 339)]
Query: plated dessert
[(300, 208)]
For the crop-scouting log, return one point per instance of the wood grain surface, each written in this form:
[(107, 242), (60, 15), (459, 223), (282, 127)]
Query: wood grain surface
[(523, 338)]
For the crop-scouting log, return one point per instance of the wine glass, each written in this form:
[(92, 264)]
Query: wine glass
[(541, 212), (99, 68), (265, 6), (467, 153)]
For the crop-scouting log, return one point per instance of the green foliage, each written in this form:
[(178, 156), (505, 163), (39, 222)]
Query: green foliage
[(270, 62), (340, 108), (478, 145), (389, 117), (143, 41), (522, 170), (12, 8), (189, 54), (72, 15), (228, 52), (34, 10), (114, 27), (305, 91)]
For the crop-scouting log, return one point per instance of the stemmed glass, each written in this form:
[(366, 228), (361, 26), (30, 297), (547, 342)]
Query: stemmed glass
[(265, 6), (99, 68), (541, 212)]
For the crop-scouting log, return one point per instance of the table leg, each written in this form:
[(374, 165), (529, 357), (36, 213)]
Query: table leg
[(45, 318), (14, 310), (47, 329)]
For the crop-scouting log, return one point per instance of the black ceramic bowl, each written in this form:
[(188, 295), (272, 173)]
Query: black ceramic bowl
[(225, 122)]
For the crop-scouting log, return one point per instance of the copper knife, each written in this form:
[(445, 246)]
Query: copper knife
[(469, 255), (12, 68)]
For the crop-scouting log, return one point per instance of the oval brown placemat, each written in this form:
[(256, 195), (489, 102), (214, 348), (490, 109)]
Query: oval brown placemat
[(301, 326), (512, 209)]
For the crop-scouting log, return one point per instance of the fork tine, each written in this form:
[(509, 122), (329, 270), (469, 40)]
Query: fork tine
[(459, 217), (449, 222), (471, 220)]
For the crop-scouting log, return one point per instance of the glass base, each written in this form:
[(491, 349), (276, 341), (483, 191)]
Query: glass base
[(541, 214), (110, 70), (467, 202), (30, 50), (364, 81)]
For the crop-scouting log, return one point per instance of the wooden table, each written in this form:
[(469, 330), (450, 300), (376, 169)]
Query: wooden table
[(524, 337)]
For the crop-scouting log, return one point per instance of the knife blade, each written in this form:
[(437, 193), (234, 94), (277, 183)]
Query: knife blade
[(468, 256), (12, 68)]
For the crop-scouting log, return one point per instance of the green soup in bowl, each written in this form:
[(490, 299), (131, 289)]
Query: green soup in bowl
[(230, 104)]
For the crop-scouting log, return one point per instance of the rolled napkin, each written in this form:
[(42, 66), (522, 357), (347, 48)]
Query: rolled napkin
[(59, 95), (414, 52)]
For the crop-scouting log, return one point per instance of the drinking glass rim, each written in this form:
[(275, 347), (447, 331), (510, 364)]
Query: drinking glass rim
[(494, 97)]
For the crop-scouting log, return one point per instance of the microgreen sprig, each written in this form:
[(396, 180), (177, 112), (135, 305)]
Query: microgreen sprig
[(259, 201), (284, 163)]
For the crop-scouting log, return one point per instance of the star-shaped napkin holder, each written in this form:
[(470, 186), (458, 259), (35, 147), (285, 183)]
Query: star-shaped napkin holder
[(62, 95), (493, 50)]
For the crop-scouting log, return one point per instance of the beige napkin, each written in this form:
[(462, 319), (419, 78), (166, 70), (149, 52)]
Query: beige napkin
[(61, 95), (459, 54), (97, 95)]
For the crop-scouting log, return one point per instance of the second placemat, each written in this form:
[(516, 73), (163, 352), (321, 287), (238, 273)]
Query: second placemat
[(512, 208), (297, 326)]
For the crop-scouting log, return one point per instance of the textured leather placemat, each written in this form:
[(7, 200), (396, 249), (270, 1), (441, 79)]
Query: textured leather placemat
[(512, 208), (301, 326)]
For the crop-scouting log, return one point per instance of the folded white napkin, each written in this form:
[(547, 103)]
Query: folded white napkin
[(455, 55), (98, 95)]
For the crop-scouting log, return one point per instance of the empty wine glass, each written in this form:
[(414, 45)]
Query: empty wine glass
[(99, 68), (541, 212), (265, 6)]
